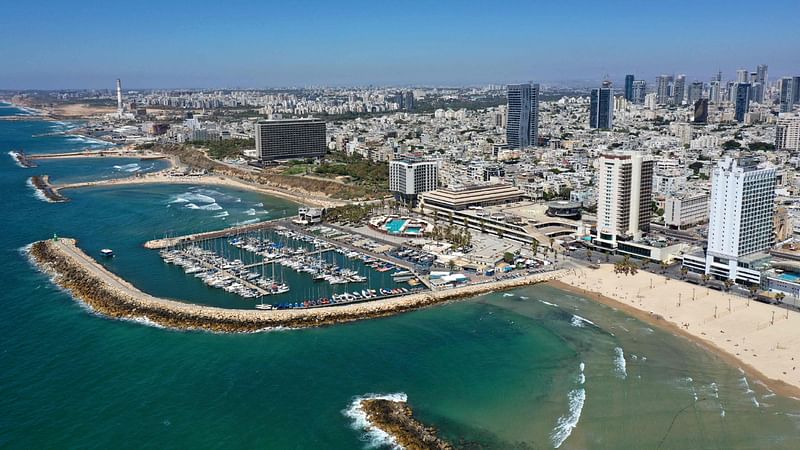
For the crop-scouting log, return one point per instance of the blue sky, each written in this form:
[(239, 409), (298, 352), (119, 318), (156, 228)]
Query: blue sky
[(59, 44)]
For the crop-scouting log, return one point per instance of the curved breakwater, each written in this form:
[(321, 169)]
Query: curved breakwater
[(114, 297), (42, 185)]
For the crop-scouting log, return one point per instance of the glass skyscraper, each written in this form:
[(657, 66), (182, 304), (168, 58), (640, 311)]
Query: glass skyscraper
[(522, 127), (601, 107)]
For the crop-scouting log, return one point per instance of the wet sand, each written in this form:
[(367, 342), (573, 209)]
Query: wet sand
[(761, 339)]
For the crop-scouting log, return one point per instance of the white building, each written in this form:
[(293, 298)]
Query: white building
[(740, 225), (682, 211), (787, 132), (624, 197), (408, 178)]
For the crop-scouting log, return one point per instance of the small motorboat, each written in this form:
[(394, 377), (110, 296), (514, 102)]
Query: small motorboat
[(107, 252)]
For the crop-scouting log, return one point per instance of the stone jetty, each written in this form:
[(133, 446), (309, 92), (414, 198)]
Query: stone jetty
[(396, 418), (108, 294), (42, 184)]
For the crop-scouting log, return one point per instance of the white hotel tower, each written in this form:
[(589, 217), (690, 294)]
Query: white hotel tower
[(740, 225), (624, 197)]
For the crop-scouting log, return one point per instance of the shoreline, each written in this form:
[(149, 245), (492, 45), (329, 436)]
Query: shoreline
[(210, 180), (774, 378), (109, 295)]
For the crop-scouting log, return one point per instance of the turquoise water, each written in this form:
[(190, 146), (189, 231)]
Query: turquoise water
[(789, 276), (499, 370), (395, 225)]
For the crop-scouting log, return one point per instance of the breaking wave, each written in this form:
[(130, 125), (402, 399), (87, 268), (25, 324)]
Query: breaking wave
[(620, 367), (373, 436), (568, 422)]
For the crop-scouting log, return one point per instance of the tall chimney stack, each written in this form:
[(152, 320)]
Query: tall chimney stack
[(119, 97)]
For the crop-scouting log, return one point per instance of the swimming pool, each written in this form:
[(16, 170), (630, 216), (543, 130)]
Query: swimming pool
[(395, 225), (413, 229), (789, 276)]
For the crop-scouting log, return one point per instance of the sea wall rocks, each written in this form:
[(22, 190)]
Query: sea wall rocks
[(42, 184), (397, 419), (109, 295)]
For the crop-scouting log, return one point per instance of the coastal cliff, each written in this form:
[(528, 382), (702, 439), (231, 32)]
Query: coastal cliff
[(114, 297)]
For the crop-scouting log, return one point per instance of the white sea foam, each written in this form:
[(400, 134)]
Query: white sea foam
[(38, 193), (373, 436), (250, 212), (508, 295), (743, 382), (222, 214), (128, 167), (15, 156), (246, 222), (548, 303), (206, 207), (568, 422), (620, 367), (259, 205), (578, 321)]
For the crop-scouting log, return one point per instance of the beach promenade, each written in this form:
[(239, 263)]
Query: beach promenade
[(759, 338), (110, 295)]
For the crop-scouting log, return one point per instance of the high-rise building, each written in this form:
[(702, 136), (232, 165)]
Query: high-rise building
[(629, 80), (740, 219), (639, 91), (742, 101), (662, 89), (409, 178), (787, 132), (796, 90), (678, 89), (290, 138), (624, 197), (761, 80), (408, 101), (601, 107), (701, 111), (786, 96), (742, 76), (522, 128), (714, 93), (695, 92)]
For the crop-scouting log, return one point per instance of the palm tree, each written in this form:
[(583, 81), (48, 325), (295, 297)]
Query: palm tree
[(684, 272), (452, 265), (779, 297), (451, 217), (753, 289), (534, 246), (664, 266), (705, 278), (728, 283)]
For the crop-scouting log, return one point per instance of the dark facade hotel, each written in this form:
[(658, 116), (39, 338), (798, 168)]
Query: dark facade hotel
[(290, 138)]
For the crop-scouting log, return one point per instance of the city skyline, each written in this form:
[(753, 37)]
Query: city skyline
[(204, 45)]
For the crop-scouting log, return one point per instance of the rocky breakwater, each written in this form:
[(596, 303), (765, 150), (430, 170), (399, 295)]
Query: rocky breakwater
[(114, 297), (396, 418), (42, 184)]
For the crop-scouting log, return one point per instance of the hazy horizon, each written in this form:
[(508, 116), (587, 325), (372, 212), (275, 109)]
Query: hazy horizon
[(240, 44)]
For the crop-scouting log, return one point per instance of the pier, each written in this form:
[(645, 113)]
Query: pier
[(166, 242), (110, 295), (42, 184)]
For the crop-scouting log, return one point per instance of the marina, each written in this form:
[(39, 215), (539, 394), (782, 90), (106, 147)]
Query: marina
[(270, 261)]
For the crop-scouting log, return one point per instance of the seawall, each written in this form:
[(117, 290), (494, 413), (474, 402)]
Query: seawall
[(114, 297)]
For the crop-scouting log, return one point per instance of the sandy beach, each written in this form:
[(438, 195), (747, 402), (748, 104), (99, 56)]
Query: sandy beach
[(761, 339), (209, 180)]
